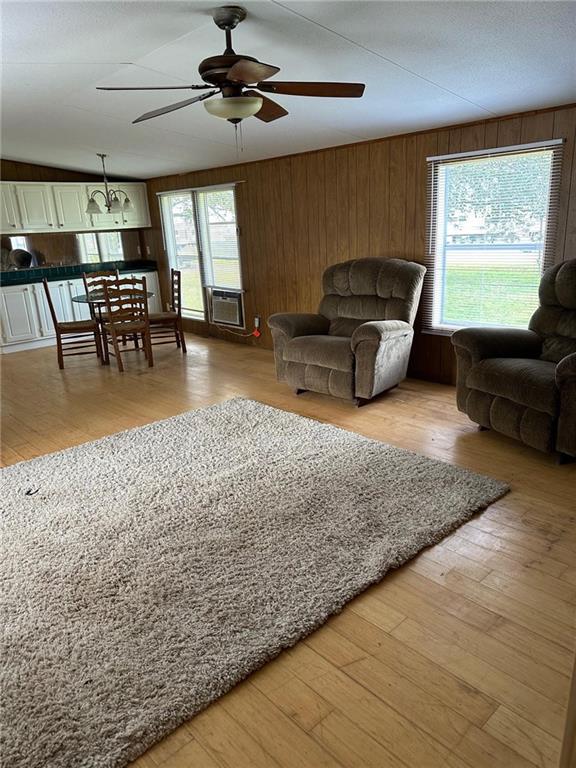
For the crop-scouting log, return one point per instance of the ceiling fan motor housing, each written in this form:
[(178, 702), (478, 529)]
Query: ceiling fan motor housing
[(214, 70)]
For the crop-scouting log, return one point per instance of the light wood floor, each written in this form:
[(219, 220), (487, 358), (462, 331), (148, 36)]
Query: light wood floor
[(460, 658)]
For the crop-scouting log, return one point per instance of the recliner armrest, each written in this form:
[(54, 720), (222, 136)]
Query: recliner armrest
[(484, 343), (295, 324), (380, 330), (566, 369)]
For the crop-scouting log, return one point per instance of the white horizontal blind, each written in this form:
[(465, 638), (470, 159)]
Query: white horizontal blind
[(218, 229), (491, 233)]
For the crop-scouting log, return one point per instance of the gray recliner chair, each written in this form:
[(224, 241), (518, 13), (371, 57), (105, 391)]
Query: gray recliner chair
[(359, 343), (522, 383)]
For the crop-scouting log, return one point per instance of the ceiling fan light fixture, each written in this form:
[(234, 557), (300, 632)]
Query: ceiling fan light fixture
[(128, 206), (93, 206), (234, 107)]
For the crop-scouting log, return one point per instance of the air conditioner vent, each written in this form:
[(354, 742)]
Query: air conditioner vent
[(226, 308)]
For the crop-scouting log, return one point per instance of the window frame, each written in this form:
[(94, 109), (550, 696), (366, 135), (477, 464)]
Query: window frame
[(434, 200), (204, 255)]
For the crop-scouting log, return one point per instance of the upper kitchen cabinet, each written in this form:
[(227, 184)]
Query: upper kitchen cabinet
[(35, 205), (61, 207), (70, 204), (104, 220), (139, 216), (9, 219)]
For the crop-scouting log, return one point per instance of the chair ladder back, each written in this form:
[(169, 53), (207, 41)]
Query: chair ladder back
[(176, 283), (50, 303), (126, 300), (94, 281)]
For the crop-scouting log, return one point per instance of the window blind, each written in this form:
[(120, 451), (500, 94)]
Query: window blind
[(491, 229)]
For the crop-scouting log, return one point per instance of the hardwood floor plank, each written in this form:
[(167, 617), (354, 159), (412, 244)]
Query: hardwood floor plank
[(536, 647), (396, 733), (479, 749), (288, 744), (300, 703), (227, 740), (498, 602), (432, 715), (352, 746), (525, 669), (535, 707), (527, 739), (192, 754), (432, 678)]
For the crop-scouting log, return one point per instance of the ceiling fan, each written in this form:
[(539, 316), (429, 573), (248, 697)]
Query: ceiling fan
[(242, 81)]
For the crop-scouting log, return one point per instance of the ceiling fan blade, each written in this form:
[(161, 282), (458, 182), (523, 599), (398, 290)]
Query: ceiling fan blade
[(173, 107), (269, 110), (334, 90), (245, 71), (157, 88)]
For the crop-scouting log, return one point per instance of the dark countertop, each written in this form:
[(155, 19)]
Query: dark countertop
[(71, 271)]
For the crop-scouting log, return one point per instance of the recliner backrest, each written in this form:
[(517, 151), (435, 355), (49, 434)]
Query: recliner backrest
[(555, 318), (370, 289)]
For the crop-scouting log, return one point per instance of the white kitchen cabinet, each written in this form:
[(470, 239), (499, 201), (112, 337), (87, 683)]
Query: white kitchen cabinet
[(9, 219), (70, 202), (139, 216), (152, 285), (18, 314), (35, 203)]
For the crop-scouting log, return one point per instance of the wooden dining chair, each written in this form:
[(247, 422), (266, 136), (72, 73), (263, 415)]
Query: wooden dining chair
[(94, 282), (166, 327), (76, 337), (126, 307)]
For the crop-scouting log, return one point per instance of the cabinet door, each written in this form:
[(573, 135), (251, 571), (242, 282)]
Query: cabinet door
[(80, 311), (35, 207), (104, 220), (9, 221), (139, 216), (18, 318), (153, 286), (70, 202)]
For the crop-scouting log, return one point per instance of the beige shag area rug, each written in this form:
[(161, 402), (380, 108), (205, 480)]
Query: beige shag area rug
[(152, 570)]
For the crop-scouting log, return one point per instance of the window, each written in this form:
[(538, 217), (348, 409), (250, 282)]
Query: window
[(18, 241), (100, 246), (492, 219), (200, 233)]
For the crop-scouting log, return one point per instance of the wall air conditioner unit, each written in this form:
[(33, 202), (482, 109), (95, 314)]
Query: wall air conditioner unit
[(226, 307)]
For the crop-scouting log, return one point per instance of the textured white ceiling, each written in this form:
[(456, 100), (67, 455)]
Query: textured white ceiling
[(425, 64)]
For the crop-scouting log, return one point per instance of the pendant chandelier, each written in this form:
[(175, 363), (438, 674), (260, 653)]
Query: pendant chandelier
[(112, 197)]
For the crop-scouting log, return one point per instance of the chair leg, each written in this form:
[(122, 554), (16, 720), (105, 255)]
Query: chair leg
[(97, 342), (147, 340), (135, 340), (59, 351), (182, 339), (116, 346), (177, 335)]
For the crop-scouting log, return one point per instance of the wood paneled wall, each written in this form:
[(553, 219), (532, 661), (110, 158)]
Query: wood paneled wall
[(12, 170), (300, 213)]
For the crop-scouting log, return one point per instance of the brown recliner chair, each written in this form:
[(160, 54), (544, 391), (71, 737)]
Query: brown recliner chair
[(523, 383), (359, 343)]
